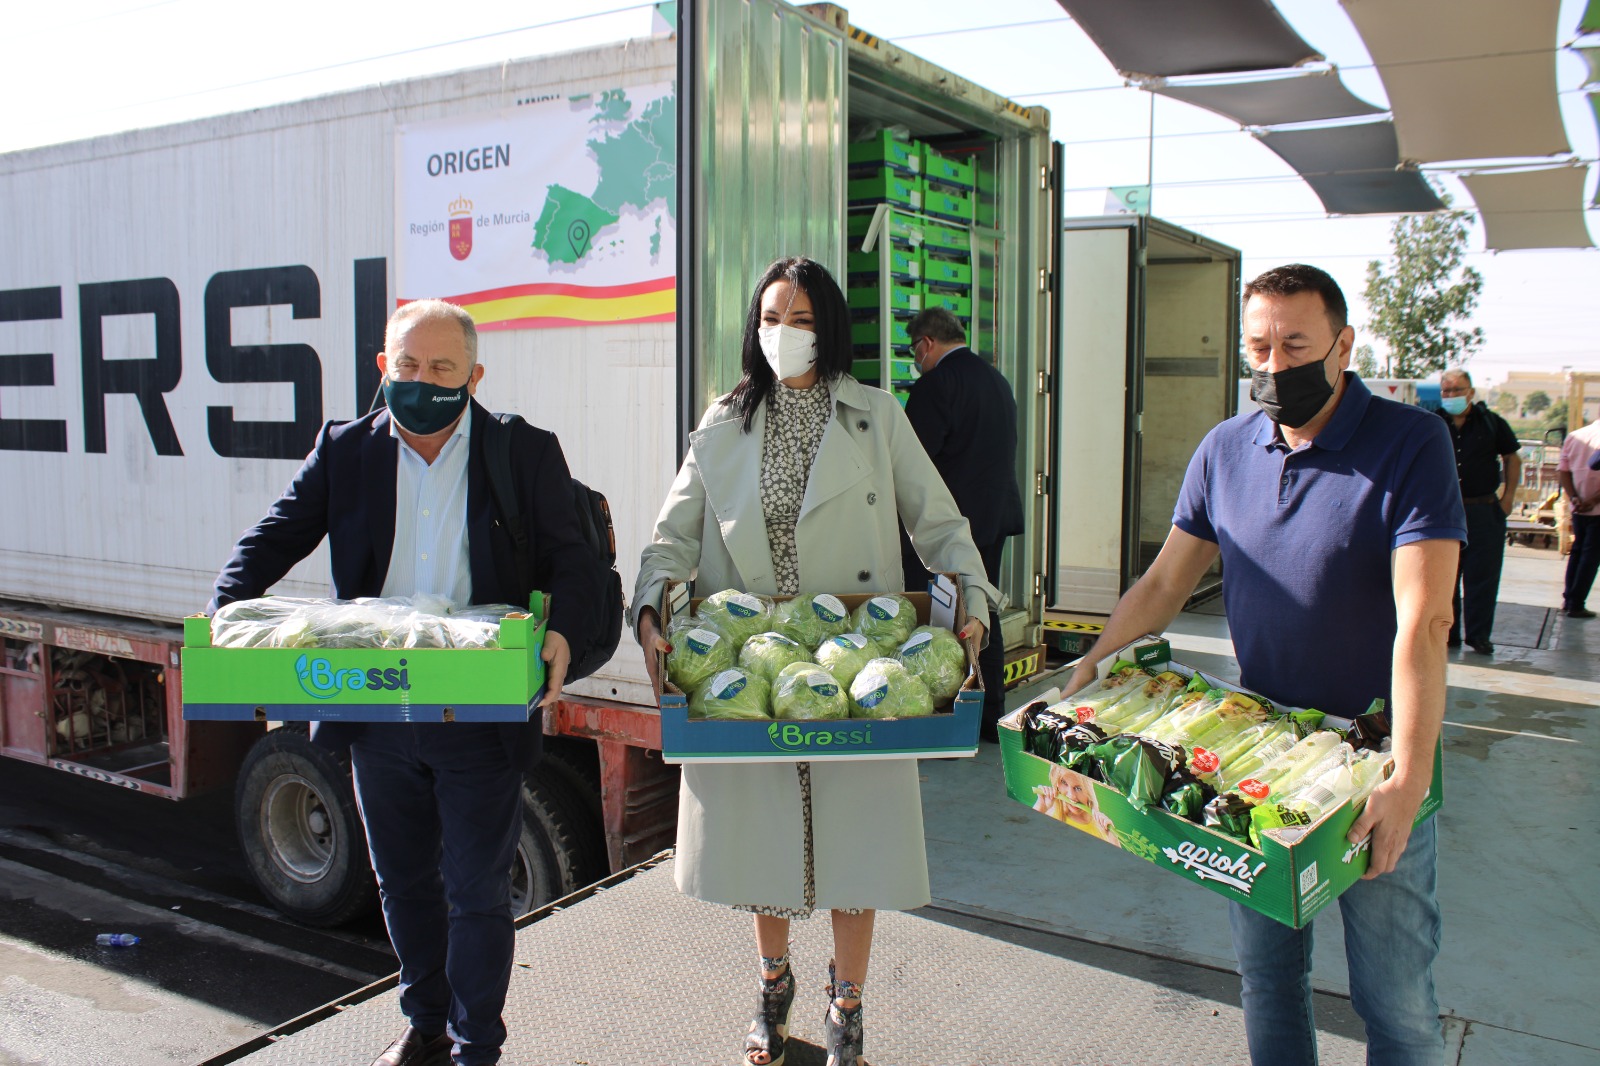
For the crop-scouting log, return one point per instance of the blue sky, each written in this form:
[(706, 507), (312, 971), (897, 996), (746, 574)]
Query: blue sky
[(87, 67)]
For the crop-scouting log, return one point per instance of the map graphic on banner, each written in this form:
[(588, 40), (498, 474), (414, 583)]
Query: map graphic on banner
[(557, 213)]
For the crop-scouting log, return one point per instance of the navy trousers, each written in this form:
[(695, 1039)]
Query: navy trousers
[(1478, 578), (442, 805), (992, 657), (1582, 562)]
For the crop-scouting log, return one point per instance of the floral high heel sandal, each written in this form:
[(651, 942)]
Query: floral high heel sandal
[(770, 1027), (843, 1037)]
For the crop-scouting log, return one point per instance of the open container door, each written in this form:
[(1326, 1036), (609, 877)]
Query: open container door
[(761, 129)]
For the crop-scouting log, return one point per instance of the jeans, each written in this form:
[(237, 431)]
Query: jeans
[(442, 805), (1391, 936), (1582, 562), (1478, 577)]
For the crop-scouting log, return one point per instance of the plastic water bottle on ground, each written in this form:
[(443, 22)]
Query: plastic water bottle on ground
[(116, 940)]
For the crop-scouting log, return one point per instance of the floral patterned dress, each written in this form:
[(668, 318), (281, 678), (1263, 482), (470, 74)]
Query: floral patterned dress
[(796, 421)]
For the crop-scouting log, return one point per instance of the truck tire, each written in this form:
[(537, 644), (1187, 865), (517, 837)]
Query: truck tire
[(575, 766), (550, 859), (301, 832)]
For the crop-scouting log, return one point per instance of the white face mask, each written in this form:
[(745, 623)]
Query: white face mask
[(790, 352)]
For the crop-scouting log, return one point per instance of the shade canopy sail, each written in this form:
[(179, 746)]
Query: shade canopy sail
[(1275, 101), (1352, 169), (1590, 56), (1172, 38), (1466, 79), (1590, 23), (1531, 209)]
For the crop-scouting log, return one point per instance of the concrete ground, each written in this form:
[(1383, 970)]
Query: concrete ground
[(1519, 878)]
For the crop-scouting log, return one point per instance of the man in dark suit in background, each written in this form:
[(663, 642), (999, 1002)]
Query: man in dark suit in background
[(403, 497), (965, 414)]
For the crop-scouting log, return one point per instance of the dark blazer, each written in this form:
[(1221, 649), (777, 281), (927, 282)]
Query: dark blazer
[(345, 491), (965, 414)]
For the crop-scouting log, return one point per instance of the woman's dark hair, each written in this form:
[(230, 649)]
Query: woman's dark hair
[(830, 315)]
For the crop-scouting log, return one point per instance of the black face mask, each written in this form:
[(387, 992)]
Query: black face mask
[(1293, 397)]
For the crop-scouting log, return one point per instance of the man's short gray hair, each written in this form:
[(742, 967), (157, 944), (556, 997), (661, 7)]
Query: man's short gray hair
[(937, 324), (1457, 373), (426, 310)]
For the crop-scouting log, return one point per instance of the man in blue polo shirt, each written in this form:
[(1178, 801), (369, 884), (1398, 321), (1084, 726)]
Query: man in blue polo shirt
[(1339, 522)]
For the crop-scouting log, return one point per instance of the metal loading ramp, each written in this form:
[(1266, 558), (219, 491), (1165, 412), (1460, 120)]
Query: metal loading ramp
[(639, 975)]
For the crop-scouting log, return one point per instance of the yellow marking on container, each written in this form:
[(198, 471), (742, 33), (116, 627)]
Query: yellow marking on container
[(1024, 667), (1075, 627), (861, 36)]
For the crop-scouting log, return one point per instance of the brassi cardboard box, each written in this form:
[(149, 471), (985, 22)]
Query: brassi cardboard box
[(1292, 875), (312, 684), (952, 730)]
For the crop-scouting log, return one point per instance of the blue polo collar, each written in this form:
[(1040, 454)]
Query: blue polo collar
[(1340, 428)]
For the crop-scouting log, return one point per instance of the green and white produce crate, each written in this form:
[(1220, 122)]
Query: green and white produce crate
[(1291, 877), (366, 684), (950, 731)]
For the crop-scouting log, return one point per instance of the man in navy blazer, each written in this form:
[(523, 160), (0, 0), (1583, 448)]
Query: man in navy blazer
[(403, 497), (965, 414)]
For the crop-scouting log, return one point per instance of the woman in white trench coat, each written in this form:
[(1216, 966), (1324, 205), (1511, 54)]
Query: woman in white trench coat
[(794, 482)]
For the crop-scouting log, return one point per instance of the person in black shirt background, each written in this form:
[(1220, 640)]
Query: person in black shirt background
[(1484, 441), (965, 414)]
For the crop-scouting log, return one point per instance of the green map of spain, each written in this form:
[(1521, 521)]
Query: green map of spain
[(638, 166)]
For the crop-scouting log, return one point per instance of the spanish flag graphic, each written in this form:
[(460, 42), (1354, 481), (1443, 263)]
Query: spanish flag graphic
[(550, 304)]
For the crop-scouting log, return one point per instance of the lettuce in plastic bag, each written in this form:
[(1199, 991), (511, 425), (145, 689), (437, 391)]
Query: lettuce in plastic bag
[(807, 691), (740, 615), (886, 689), (936, 658), (698, 653), (887, 619), (844, 656), (732, 694), (768, 653), (812, 619)]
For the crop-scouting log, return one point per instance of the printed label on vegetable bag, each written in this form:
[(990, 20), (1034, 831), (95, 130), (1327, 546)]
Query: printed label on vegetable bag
[(916, 644), (821, 682), (829, 608), (876, 685), (701, 641), (1204, 762), (883, 608), (851, 640), (728, 684), (743, 605)]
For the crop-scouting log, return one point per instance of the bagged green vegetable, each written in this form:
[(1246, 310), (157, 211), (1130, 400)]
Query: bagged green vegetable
[(1135, 767), (886, 689), (739, 615), (1186, 796), (888, 620), (1087, 704), (806, 691), (1142, 705), (1229, 813), (812, 619), (732, 694), (936, 658), (768, 653), (699, 652), (1279, 776), (844, 656)]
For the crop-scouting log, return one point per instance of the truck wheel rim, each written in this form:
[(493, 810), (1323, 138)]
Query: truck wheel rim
[(299, 829), (522, 882)]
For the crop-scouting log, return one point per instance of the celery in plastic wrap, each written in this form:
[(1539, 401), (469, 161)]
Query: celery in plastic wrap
[(768, 653), (1144, 705), (1091, 701), (699, 652), (1352, 777), (844, 656), (734, 694), (1213, 719), (1252, 747), (887, 620), (807, 692), (1278, 777), (738, 615), (937, 659)]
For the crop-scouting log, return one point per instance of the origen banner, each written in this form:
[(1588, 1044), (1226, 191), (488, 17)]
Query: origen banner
[(557, 213)]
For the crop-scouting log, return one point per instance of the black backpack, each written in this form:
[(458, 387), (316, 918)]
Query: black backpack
[(594, 521)]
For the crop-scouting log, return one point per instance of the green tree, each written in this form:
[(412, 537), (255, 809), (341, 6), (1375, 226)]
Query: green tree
[(1557, 418), (1536, 402), (1366, 361), (1415, 303), (1506, 403)]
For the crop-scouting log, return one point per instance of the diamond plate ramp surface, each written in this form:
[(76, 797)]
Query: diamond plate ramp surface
[(639, 974)]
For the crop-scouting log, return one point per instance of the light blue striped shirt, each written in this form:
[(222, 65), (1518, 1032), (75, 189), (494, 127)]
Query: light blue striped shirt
[(430, 520)]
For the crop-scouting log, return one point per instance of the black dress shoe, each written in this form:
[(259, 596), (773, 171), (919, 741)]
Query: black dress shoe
[(1453, 641), (1580, 612), (1482, 647), (416, 1048)]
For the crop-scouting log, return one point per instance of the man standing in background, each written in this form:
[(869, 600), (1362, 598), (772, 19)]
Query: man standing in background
[(1581, 483), (1483, 441), (965, 414)]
